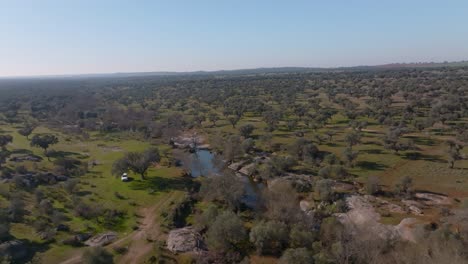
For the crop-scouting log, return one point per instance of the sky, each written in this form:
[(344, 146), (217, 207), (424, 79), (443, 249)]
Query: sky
[(46, 37)]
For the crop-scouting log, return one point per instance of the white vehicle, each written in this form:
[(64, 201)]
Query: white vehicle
[(124, 177)]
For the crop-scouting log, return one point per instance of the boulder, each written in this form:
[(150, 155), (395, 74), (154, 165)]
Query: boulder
[(236, 165), (433, 199), (415, 210), (248, 169), (184, 240), (101, 239)]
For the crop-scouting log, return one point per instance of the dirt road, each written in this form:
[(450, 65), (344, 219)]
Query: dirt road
[(139, 241)]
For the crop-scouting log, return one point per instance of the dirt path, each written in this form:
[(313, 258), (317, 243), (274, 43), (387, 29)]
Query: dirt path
[(138, 241)]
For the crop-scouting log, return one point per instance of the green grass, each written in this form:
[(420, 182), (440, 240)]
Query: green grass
[(98, 186)]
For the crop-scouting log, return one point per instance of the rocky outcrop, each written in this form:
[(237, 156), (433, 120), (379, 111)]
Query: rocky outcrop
[(248, 169), (184, 240), (362, 218), (413, 206), (433, 199), (236, 165), (101, 239)]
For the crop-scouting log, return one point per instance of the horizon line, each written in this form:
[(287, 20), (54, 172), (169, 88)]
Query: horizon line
[(163, 72)]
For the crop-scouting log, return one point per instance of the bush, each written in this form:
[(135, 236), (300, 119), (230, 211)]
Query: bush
[(324, 189), (404, 188), (269, 237), (300, 237), (296, 256), (372, 185), (226, 232), (97, 255)]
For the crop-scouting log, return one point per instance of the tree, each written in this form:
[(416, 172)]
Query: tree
[(296, 256), (97, 255), (4, 226), (5, 140), (280, 202), (291, 124), (392, 141), (324, 189), (213, 117), (248, 145), (226, 188), (233, 148), (26, 130), (3, 157), (43, 141), (246, 130), (199, 118), (353, 138), (404, 187), (304, 150), (372, 185), (269, 237), (453, 153), (272, 119), (137, 162), (350, 156), (233, 120), (330, 134), (226, 232)]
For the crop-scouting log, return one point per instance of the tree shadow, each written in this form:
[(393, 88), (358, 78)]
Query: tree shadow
[(371, 142), (423, 141), (62, 154), (370, 165), (83, 193), (373, 151), (161, 184), (32, 248), (21, 151), (419, 156)]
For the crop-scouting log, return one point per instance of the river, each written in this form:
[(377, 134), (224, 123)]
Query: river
[(204, 163)]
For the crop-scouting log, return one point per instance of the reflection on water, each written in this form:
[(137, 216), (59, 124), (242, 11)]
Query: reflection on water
[(204, 163)]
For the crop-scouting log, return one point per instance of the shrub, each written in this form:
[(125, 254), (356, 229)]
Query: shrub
[(226, 232), (97, 255), (269, 237), (296, 256)]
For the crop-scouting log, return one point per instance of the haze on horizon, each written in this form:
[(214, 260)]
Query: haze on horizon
[(63, 37)]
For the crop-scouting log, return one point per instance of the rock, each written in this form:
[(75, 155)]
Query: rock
[(413, 206), (339, 186), (306, 207), (247, 170), (101, 239), (301, 182), (236, 165), (433, 199), (388, 206), (16, 249), (184, 240), (415, 210), (362, 218)]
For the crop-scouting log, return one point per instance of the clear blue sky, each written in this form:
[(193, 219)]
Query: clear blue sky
[(69, 37)]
